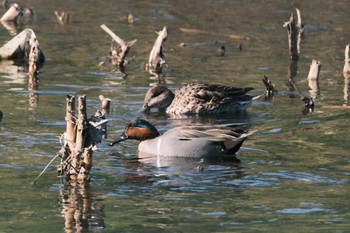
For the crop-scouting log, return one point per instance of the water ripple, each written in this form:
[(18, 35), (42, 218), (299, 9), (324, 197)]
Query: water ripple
[(304, 176)]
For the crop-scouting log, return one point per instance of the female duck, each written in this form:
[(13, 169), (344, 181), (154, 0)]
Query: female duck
[(198, 98), (215, 141)]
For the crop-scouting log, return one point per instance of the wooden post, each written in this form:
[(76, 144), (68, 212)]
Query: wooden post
[(81, 136)]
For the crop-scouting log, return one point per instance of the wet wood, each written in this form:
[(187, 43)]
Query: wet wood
[(80, 139), (156, 58), (12, 13), (118, 55), (346, 72), (346, 68), (292, 38), (313, 79), (21, 46), (105, 104), (300, 30)]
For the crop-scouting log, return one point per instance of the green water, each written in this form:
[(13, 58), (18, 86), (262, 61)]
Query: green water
[(294, 172)]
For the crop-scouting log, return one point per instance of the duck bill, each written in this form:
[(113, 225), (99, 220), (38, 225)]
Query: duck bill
[(145, 108), (123, 137)]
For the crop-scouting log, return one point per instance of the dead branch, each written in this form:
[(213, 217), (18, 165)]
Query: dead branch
[(118, 55), (12, 13), (156, 58), (292, 38), (300, 29)]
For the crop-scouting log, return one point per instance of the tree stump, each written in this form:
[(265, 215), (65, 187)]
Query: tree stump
[(80, 139), (313, 79)]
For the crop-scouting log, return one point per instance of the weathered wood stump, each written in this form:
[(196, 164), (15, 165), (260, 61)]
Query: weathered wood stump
[(80, 139), (313, 79)]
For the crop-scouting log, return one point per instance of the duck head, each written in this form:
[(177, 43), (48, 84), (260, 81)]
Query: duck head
[(158, 96), (138, 129)]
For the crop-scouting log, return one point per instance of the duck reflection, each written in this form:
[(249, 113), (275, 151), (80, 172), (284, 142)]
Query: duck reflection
[(180, 165)]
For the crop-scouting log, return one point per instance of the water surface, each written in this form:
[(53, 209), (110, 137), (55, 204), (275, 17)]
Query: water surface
[(294, 172)]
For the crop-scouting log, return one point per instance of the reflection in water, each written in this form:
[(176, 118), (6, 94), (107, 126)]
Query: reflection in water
[(13, 71), (79, 210), (11, 26), (346, 88), (16, 73), (181, 165), (292, 72), (32, 88)]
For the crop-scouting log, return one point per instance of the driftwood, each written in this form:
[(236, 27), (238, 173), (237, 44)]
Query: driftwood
[(24, 47), (156, 58), (118, 55), (80, 139)]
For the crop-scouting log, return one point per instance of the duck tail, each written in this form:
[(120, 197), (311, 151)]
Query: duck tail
[(235, 148)]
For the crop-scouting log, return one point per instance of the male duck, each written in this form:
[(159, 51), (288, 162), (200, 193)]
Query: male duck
[(198, 98), (214, 141)]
